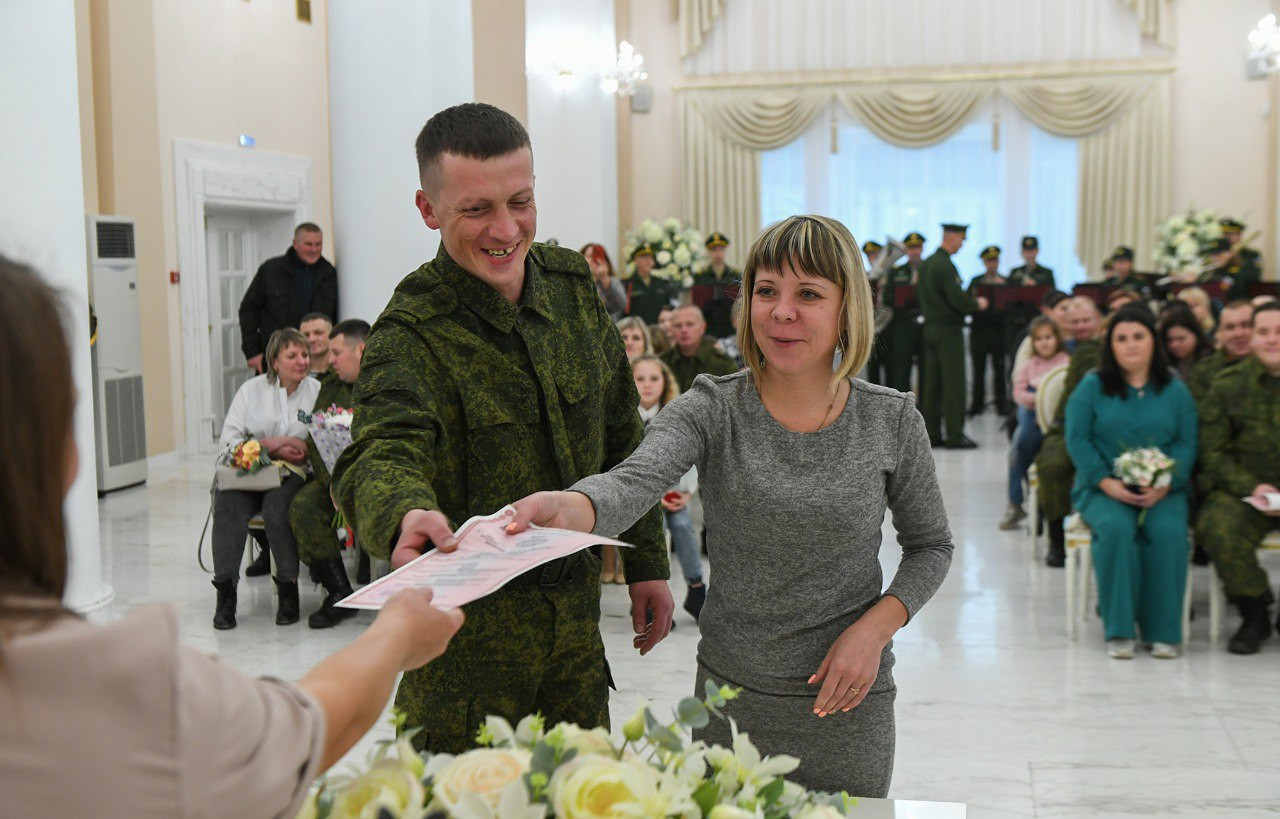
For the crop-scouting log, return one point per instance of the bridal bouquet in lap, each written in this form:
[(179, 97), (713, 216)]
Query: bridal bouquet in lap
[(531, 771), (1144, 468)]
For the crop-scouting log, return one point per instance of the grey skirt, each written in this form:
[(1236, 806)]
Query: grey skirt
[(850, 752)]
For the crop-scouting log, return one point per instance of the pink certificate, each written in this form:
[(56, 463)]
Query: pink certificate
[(487, 558)]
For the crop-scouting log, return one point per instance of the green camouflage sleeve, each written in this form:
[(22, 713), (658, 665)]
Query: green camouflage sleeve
[(1221, 467), (387, 470)]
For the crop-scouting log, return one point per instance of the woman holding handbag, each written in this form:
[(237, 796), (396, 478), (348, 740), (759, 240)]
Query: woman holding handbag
[(265, 409)]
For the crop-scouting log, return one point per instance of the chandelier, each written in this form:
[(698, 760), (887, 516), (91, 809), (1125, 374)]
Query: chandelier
[(1265, 45), (623, 77)]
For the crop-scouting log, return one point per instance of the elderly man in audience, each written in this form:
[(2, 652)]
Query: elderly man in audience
[(1053, 464), (1240, 458), (311, 513), (315, 328), (693, 352)]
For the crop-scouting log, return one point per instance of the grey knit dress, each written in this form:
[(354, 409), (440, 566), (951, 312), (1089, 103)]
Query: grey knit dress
[(793, 534)]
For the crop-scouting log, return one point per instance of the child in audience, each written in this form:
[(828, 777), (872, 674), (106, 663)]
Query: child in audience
[(658, 387), (1047, 352)]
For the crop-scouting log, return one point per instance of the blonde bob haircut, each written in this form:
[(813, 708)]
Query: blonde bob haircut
[(822, 247), (285, 337)]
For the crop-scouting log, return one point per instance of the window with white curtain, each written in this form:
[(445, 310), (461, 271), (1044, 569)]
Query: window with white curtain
[(1025, 186)]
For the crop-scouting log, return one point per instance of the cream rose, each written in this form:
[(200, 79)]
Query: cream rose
[(599, 786), (594, 741), (651, 232), (483, 772), (389, 784)]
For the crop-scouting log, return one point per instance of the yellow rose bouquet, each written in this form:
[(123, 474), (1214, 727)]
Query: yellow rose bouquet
[(249, 456), (529, 771)]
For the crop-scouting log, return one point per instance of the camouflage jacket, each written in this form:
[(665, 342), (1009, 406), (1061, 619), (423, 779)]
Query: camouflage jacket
[(942, 299), (1084, 359), (1205, 370), (333, 390), (1239, 445), (466, 402), (708, 360)]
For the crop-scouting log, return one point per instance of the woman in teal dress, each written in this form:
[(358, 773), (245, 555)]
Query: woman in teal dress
[(1139, 538)]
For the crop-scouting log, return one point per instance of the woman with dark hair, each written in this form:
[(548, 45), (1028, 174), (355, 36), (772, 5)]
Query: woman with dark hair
[(122, 720), (266, 409), (608, 285), (1139, 534), (1183, 338)]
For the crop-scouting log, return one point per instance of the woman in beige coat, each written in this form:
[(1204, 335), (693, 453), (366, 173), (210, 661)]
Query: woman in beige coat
[(122, 720)]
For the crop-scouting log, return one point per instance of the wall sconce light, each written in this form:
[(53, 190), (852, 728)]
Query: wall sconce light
[(625, 75)]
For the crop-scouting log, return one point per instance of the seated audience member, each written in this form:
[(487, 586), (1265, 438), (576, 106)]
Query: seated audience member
[(608, 285), (1235, 332), (635, 337), (693, 351), (1240, 458), (664, 319), (265, 408), (657, 387), (315, 329), (1139, 534), (122, 719), (311, 513), (1054, 305), (1047, 354), (659, 340), (1184, 341), (1120, 297), (1201, 306), (1265, 298), (1053, 465)]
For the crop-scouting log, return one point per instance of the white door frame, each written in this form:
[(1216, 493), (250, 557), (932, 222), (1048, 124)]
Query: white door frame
[(208, 174)]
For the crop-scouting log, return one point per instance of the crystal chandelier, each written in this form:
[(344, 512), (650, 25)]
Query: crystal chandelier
[(626, 73), (1265, 44)]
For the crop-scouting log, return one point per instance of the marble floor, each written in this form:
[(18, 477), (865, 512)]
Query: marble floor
[(996, 707)]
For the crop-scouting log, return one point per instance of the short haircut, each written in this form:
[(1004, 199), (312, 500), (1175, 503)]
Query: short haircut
[(1088, 303), (1052, 298), (1237, 304), (822, 247), (1268, 307), (355, 330), (279, 340), (314, 317), (307, 227), (637, 323), (689, 307), (475, 130), (1109, 373)]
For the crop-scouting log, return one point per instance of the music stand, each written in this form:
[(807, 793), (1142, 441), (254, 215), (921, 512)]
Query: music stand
[(1100, 293), (1264, 289), (904, 297)]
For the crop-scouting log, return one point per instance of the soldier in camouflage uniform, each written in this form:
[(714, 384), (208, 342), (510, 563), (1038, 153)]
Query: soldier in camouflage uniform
[(693, 352), (944, 304), (1240, 456), (1054, 470), (495, 372), (311, 513)]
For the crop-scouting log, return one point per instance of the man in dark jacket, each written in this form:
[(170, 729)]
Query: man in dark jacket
[(285, 289)]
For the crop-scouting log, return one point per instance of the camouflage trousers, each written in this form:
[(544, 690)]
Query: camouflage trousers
[(311, 516), (1230, 532), (1055, 474), (523, 649)]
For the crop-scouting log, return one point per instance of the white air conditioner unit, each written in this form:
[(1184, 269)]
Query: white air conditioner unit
[(118, 410)]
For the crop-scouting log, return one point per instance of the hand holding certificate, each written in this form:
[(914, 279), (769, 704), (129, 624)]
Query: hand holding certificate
[(487, 557)]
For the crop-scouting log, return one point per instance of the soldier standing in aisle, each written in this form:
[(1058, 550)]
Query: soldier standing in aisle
[(902, 336), (944, 304), (986, 340)]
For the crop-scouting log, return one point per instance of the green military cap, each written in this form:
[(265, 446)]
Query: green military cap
[(913, 239), (717, 240), (645, 249), (1231, 225), (872, 248), (990, 252), (1030, 243), (949, 228), (1220, 245), (1122, 252)]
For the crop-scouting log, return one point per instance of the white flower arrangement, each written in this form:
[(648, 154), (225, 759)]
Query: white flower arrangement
[(530, 772), (678, 250), (1182, 242), (1144, 468)]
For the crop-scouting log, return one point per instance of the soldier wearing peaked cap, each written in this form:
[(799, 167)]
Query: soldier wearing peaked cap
[(902, 347), (875, 364), (718, 310), (986, 339), (647, 294)]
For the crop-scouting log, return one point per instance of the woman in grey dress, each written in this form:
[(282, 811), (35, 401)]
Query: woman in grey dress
[(797, 464)]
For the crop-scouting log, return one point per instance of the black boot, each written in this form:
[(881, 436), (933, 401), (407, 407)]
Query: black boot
[(333, 576), (694, 599), (261, 565), (362, 568), (224, 612), (287, 610), (1255, 628), (1057, 556)]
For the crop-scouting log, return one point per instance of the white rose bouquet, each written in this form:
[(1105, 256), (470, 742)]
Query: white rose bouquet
[(530, 772), (677, 250), (1144, 468), (1182, 242)]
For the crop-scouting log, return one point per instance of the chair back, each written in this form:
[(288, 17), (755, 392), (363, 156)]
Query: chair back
[(1049, 396)]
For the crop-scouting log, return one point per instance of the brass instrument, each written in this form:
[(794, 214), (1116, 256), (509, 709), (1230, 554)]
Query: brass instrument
[(1193, 273), (892, 252)]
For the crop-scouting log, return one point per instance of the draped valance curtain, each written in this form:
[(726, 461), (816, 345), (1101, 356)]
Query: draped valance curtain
[(1121, 123)]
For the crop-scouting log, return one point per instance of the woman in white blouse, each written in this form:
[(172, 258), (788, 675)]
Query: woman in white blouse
[(265, 408)]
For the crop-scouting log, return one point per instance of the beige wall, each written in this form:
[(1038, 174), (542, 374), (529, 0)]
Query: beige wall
[(498, 39), (205, 71)]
